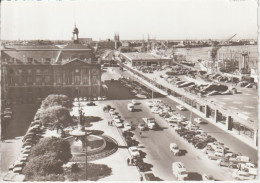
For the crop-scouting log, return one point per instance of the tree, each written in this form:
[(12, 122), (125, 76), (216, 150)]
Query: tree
[(53, 146), (56, 116), (53, 100), (42, 165)]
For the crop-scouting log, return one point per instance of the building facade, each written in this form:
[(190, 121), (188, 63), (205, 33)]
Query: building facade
[(30, 73)]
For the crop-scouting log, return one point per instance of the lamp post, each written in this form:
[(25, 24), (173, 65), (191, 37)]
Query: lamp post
[(84, 140)]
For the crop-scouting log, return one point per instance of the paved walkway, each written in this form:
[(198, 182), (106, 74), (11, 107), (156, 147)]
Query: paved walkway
[(117, 161), (9, 152)]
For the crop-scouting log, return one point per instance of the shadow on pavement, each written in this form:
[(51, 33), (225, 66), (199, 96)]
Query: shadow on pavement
[(142, 154), (194, 176), (96, 132), (137, 110), (182, 152)]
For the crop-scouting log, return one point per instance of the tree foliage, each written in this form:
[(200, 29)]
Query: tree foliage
[(53, 146), (54, 100), (42, 165), (56, 116)]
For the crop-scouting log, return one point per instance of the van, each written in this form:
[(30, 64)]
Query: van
[(179, 171), (174, 149)]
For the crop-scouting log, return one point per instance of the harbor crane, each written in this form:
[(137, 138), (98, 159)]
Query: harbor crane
[(217, 45)]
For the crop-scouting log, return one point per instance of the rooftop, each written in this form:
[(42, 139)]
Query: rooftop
[(142, 56)]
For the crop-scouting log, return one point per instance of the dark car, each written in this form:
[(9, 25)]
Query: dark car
[(188, 136), (149, 177), (91, 103), (200, 145), (194, 140), (210, 139)]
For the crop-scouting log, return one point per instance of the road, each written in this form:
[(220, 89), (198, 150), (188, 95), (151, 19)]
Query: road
[(157, 142)]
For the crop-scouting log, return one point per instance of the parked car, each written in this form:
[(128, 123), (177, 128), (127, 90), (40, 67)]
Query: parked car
[(200, 145), (242, 175), (118, 124), (223, 162), (134, 152), (198, 120), (127, 127), (205, 177), (181, 108), (174, 149), (179, 171), (141, 126), (233, 166), (91, 103)]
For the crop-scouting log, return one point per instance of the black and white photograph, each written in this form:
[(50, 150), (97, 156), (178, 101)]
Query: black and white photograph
[(129, 90)]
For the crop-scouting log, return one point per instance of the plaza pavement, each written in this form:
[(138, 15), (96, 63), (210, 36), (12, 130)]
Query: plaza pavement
[(9, 152), (117, 161)]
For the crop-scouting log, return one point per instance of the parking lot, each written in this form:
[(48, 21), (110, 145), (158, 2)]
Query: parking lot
[(157, 143)]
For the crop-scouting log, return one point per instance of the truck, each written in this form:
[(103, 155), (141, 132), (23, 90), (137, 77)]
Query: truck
[(150, 122), (131, 107)]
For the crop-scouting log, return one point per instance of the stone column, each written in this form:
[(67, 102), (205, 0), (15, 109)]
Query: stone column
[(256, 137), (228, 123), (216, 116)]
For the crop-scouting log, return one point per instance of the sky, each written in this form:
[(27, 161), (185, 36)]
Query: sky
[(132, 19)]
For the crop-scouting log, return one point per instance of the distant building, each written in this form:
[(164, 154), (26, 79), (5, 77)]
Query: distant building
[(85, 40), (31, 72), (145, 59)]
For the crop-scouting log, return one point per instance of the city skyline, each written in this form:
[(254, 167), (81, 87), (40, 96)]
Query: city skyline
[(163, 20)]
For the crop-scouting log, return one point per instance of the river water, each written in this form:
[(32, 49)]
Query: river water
[(194, 54)]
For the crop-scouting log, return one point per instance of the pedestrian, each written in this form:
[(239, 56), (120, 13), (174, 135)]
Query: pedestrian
[(132, 161), (141, 178), (108, 122), (140, 134), (128, 161), (131, 123)]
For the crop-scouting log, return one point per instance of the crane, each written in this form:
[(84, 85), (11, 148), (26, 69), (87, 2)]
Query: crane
[(216, 46)]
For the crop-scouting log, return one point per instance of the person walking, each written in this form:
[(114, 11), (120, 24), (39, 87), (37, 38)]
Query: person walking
[(140, 134), (128, 161)]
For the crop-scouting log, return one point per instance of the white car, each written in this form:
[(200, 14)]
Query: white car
[(181, 108), (155, 110), (149, 103), (205, 177), (127, 127), (242, 175), (174, 149), (134, 152), (118, 124), (198, 120), (134, 101), (179, 171), (117, 120), (99, 98), (141, 126), (112, 111)]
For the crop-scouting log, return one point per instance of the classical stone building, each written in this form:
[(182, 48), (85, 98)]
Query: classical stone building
[(35, 72)]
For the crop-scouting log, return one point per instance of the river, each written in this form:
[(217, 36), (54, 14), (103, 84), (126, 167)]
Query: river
[(194, 54)]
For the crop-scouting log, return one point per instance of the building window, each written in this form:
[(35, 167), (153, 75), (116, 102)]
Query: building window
[(47, 79), (20, 71), (46, 71), (38, 80), (29, 71), (38, 71)]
